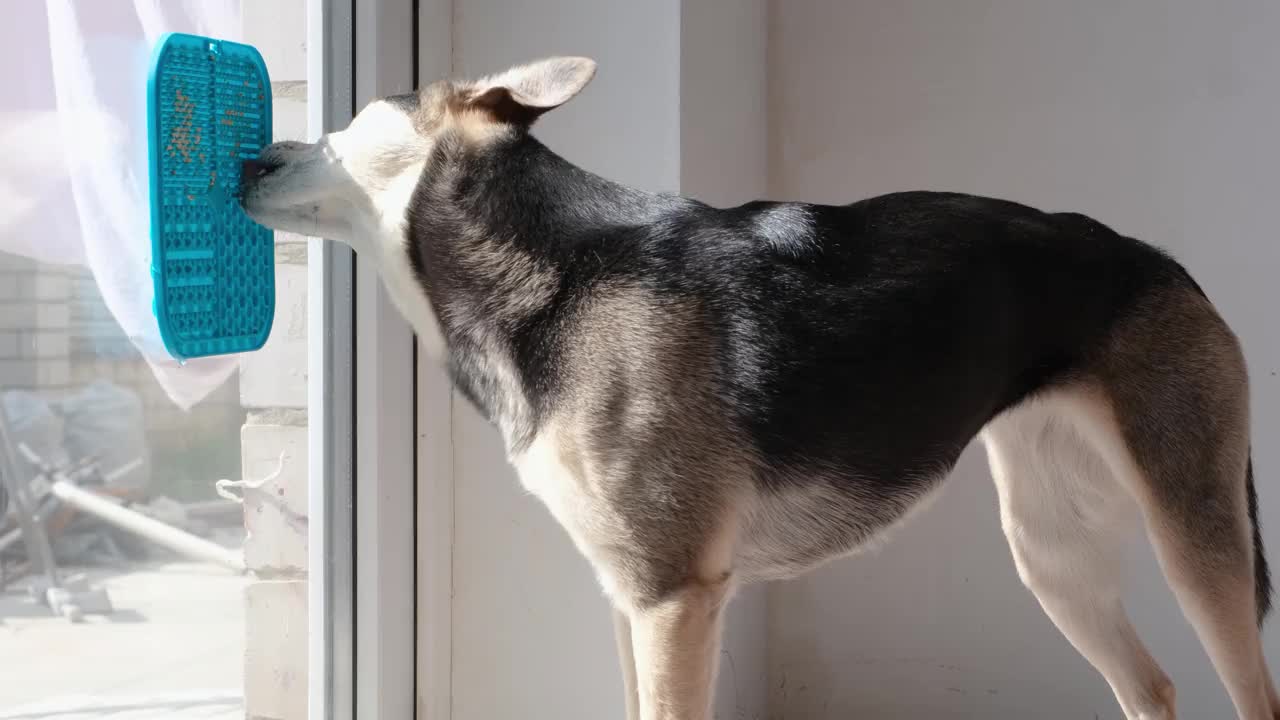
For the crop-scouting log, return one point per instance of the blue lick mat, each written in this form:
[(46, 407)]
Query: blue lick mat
[(208, 109)]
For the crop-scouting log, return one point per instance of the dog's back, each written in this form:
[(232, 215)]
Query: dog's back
[(888, 332)]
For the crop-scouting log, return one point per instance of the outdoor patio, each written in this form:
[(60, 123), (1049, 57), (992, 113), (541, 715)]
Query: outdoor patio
[(173, 649)]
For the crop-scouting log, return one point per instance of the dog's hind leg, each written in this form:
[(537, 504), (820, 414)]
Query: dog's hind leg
[(1177, 395), (1066, 519)]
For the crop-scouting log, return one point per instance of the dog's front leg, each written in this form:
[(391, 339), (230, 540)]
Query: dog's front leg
[(677, 645), (627, 659)]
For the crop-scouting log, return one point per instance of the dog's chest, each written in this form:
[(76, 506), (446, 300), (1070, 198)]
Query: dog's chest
[(581, 510)]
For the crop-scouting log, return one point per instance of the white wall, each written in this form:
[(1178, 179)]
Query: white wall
[(531, 632), (1159, 118), (724, 131)]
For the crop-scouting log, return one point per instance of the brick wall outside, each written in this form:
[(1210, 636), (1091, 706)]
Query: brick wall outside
[(35, 323), (57, 336), (273, 391)]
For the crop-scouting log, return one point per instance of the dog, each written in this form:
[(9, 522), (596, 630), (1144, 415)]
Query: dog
[(706, 397)]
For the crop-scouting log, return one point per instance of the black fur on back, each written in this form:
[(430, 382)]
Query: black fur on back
[(872, 340)]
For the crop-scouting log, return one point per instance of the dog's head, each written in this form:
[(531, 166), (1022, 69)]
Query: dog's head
[(358, 182)]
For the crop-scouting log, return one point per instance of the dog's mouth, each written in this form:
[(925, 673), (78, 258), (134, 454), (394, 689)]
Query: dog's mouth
[(255, 169), (256, 173), (261, 196)]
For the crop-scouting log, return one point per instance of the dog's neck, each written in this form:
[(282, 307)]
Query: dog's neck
[(507, 240)]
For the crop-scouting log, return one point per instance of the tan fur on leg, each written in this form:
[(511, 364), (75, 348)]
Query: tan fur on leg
[(1272, 697), (1175, 430), (1066, 519), (677, 646), (627, 661)]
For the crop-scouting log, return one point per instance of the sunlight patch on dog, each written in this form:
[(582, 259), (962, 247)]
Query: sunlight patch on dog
[(788, 228)]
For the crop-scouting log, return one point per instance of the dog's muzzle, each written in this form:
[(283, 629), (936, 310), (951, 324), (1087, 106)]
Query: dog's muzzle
[(253, 171), (272, 158)]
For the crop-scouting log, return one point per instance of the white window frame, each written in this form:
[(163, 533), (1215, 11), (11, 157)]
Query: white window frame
[(435, 399), (330, 370), (362, 400)]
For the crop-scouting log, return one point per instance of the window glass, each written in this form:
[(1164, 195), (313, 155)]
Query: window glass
[(164, 598)]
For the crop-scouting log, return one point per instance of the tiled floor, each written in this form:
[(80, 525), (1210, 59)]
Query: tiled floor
[(174, 648)]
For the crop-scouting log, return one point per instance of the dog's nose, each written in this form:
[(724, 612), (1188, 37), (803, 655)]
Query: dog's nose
[(252, 171), (256, 168), (271, 159)]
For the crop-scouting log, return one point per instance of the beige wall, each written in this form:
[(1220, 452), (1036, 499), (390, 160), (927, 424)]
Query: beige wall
[(1158, 118)]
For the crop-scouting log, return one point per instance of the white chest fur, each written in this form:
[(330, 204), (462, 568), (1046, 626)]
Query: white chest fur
[(581, 511), (388, 247)]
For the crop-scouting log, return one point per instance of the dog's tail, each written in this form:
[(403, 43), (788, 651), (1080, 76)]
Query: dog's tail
[(1261, 572)]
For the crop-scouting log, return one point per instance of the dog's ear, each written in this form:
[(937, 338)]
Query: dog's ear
[(522, 93)]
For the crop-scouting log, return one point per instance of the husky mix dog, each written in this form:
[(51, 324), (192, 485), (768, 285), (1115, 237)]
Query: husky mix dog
[(709, 397)]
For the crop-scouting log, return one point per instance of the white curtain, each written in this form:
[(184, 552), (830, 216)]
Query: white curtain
[(73, 183)]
